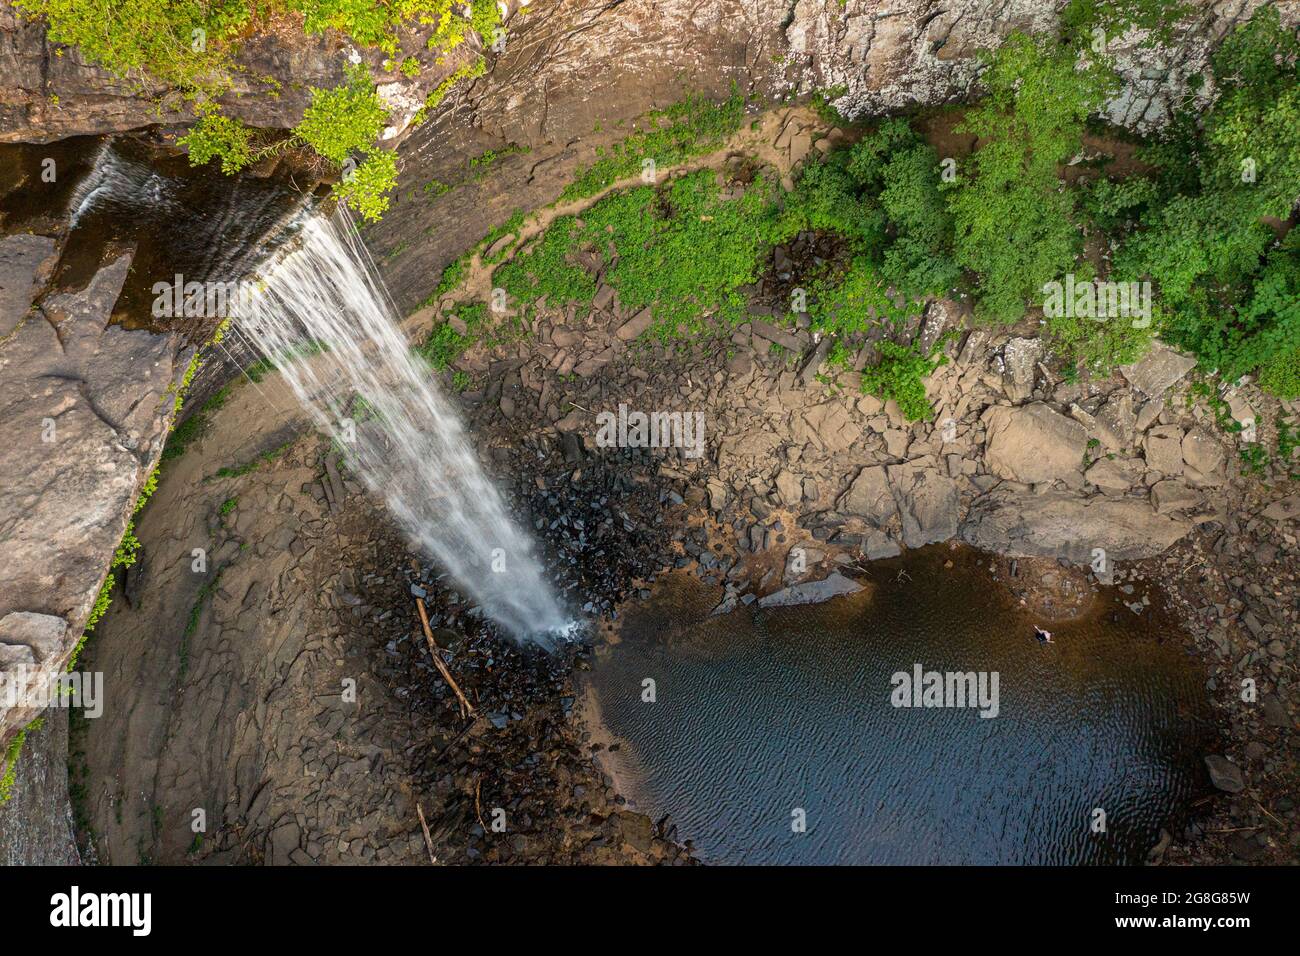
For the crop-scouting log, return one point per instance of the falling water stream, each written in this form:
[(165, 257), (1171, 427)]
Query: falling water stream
[(322, 312)]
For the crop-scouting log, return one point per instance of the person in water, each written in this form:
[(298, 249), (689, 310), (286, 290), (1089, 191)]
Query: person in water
[(1044, 637)]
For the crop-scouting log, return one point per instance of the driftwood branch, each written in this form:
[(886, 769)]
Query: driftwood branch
[(428, 838), (466, 709)]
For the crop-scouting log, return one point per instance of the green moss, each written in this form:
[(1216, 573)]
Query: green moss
[(192, 621), (12, 753), (450, 278), (1081, 18), (445, 345), (689, 128), (440, 92), (510, 227), (265, 458), (821, 104)]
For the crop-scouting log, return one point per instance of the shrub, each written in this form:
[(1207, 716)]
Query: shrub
[(854, 302), (1015, 224), (898, 375), (896, 165), (157, 37), (1205, 243), (1099, 345), (215, 136), (828, 198), (366, 189), (343, 120)]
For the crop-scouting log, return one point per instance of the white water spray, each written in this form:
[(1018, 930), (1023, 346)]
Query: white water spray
[(380, 404), (114, 177)]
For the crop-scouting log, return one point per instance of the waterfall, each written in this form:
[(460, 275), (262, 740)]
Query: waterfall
[(363, 386), (119, 179)]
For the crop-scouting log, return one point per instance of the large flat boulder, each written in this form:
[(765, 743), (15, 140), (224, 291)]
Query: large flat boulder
[(1164, 450), (829, 426), (1032, 443), (24, 262), (1204, 457), (1062, 525), (812, 592), (1158, 371)]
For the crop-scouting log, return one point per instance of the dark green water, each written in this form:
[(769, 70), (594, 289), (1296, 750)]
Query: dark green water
[(763, 713)]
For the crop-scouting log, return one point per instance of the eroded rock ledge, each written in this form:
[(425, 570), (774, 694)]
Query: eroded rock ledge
[(84, 411)]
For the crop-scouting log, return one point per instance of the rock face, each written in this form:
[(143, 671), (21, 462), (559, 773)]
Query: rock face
[(928, 503), (36, 822), (25, 261), (52, 92), (811, 592), (83, 415), (1057, 524), (887, 56), (1032, 444), (580, 65)]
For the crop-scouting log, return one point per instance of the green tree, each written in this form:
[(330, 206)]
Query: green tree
[(1207, 243), (1015, 223)]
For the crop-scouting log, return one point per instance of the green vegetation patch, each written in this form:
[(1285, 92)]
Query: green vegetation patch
[(12, 752), (1228, 289), (898, 376), (691, 127), (1016, 226), (265, 458), (659, 235)]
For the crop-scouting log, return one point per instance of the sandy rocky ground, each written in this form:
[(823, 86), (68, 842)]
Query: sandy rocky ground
[(307, 576), (241, 712), (236, 695), (1017, 461)]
